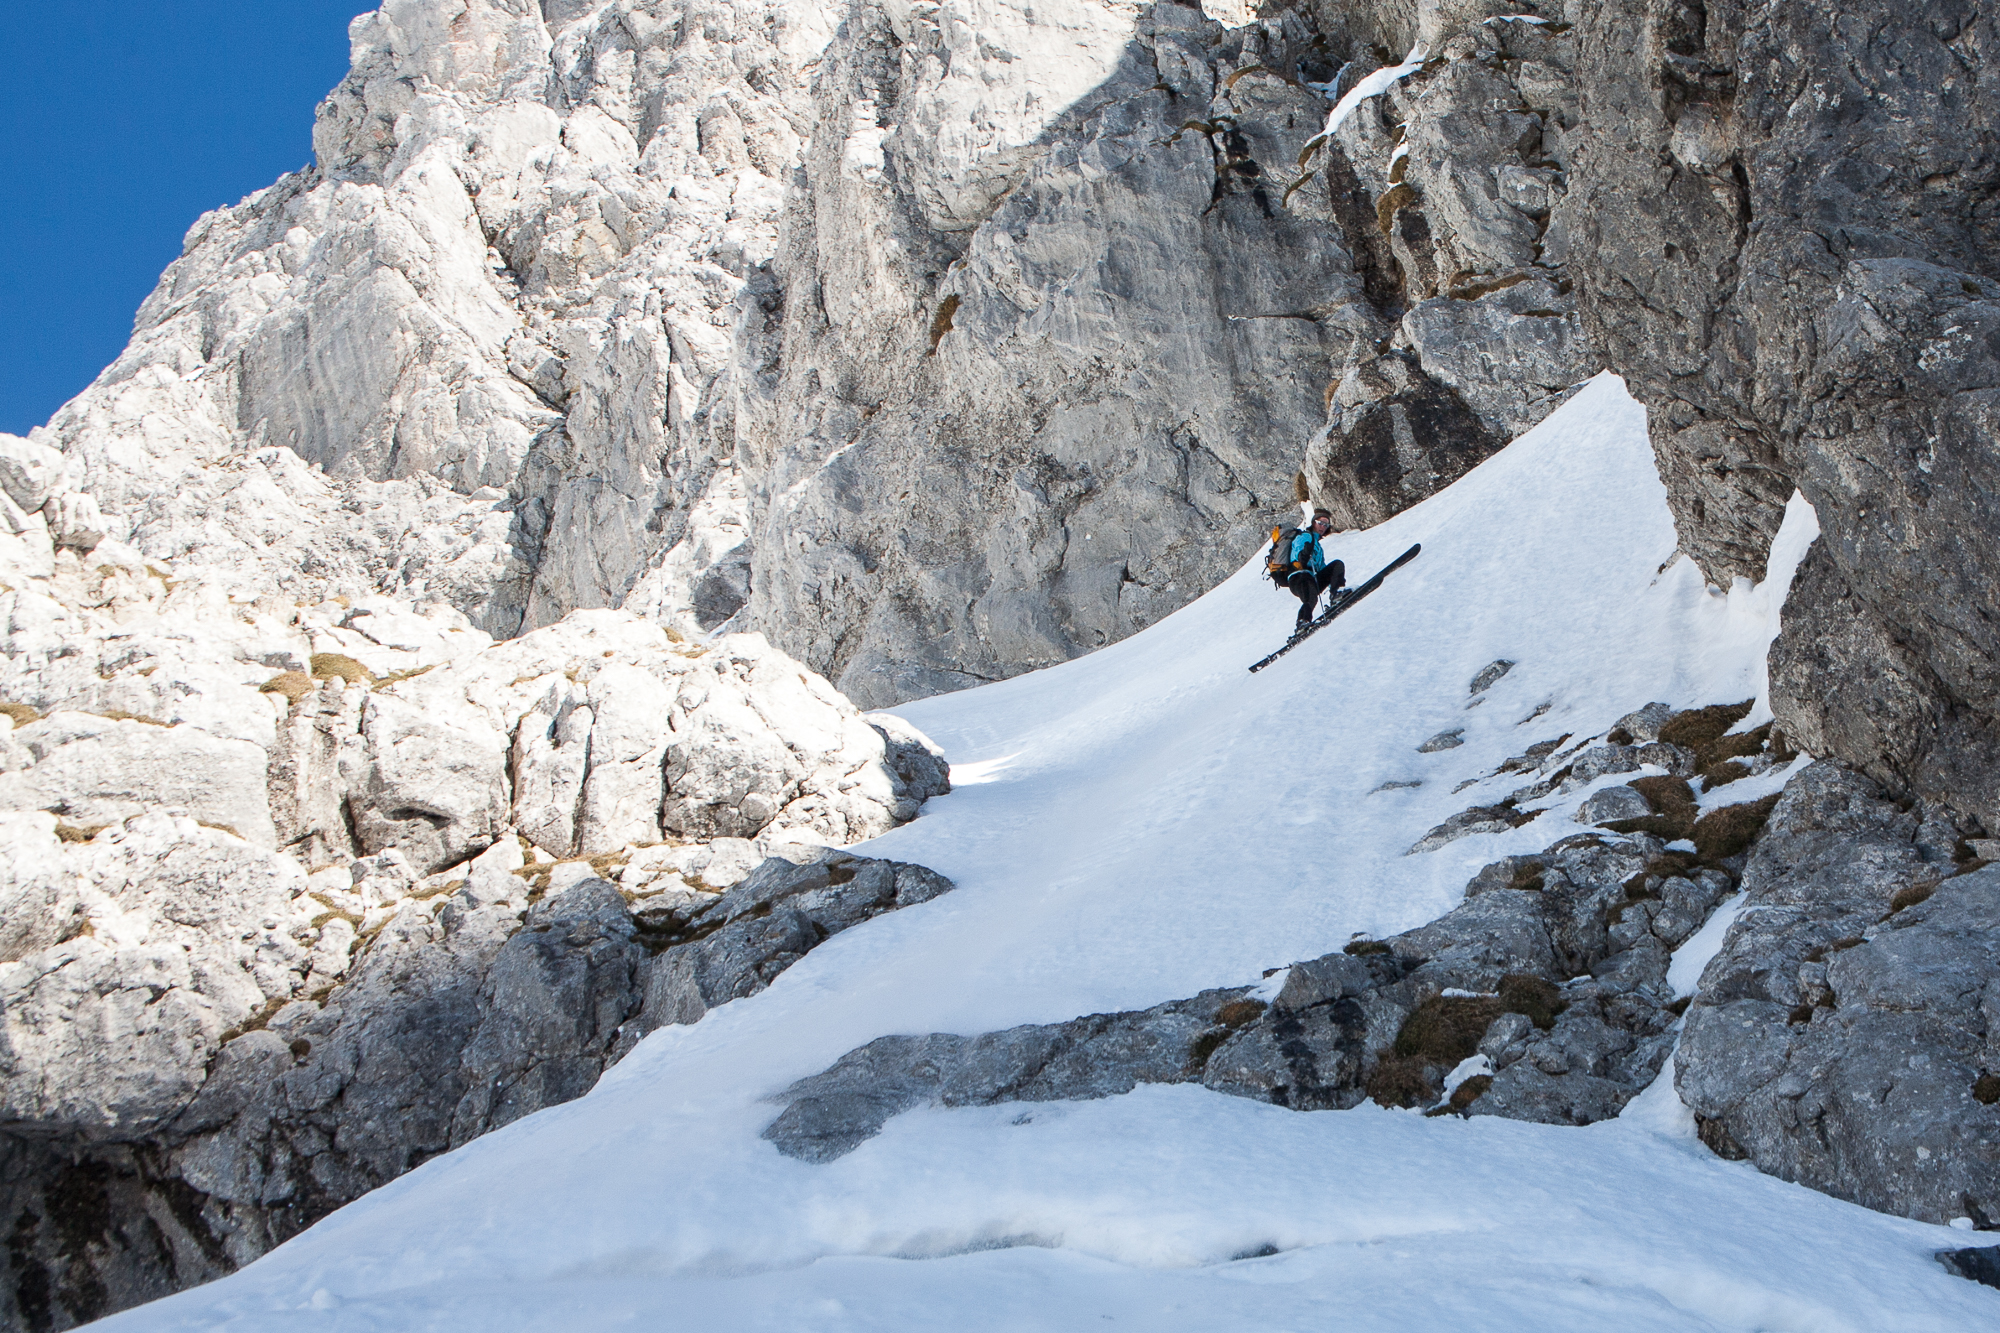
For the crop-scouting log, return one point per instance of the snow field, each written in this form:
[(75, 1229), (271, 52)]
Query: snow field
[(1129, 828)]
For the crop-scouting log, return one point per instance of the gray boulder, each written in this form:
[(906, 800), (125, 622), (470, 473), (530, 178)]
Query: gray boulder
[(1599, 760), (737, 943), (1619, 802), (1487, 675), (1643, 724), (30, 472), (1478, 819), (831, 1113), (1448, 188), (1844, 1035)]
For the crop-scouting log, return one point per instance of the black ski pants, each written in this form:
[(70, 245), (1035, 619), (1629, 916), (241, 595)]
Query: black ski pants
[(1306, 586)]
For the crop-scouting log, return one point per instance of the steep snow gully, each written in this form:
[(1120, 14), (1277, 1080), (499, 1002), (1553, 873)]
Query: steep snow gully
[(1129, 828)]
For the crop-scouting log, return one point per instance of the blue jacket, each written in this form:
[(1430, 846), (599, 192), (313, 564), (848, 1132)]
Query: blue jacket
[(1306, 547)]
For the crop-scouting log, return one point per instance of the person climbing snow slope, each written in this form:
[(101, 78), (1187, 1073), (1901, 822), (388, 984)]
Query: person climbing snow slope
[(1311, 573)]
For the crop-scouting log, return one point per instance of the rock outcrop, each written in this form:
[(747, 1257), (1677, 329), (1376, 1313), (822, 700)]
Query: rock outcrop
[(296, 897), (936, 342), (1841, 1037), (1543, 996), (1844, 1037), (177, 1150), (462, 357), (1448, 187), (1034, 388), (1551, 977)]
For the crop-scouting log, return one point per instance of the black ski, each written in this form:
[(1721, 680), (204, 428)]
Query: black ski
[(1352, 596)]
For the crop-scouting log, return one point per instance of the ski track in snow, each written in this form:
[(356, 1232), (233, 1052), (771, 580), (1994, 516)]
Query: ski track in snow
[(1132, 827)]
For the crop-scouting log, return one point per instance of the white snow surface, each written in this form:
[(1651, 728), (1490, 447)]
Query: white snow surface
[(1128, 828), (1372, 86)]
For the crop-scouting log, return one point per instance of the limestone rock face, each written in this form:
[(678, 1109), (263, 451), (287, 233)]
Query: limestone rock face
[(128, 961), (469, 355), (1780, 238), (1448, 186), (1028, 389), (96, 770), (295, 897), (936, 342)]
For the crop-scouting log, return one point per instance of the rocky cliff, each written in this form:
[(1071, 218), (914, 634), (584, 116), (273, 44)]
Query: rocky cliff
[(939, 342), (1788, 250), (377, 750)]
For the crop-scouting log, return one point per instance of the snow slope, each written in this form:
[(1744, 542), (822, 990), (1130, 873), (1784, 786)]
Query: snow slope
[(1128, 828)]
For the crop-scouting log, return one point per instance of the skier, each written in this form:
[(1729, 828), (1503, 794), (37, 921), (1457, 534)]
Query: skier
[(1312, 573)]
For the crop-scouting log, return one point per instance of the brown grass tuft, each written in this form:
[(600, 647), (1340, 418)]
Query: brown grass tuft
[(120, 715), (395, 676), (1673, 806), (1536, 999), (1362, 948), (1911, 896), (1723, 833), (1387, 206), (1400, 1080), (255, 1022), (327, 666), (1239, 1012), (1667, 865), (941, 321), (79, 833), (1722, 774), (294, 685), (1447, 1029), (1703, 726), (1470, 1091), (1667, 795), (1702, 731), (21, 713), (1486, 286)]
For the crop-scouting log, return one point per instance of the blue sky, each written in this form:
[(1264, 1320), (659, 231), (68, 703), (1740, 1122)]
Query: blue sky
[(121, 122)]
